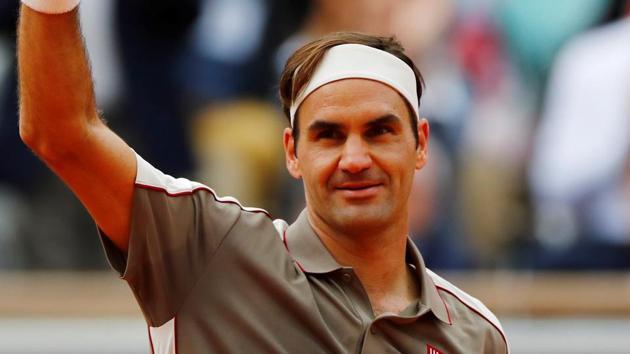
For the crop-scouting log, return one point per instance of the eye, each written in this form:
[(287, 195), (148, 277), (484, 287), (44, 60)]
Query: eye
[(329, 134), (379, 130)]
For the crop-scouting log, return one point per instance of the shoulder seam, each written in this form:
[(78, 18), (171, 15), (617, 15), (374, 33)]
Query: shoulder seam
[(150, 178), (476, 308), (473, 309), (227, 200)]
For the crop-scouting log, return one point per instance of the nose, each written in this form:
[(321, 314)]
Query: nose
[(355, 156)]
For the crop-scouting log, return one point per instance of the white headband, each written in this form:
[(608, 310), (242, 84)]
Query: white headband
[(347, 61)]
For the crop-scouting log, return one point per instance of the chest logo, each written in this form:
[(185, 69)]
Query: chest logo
[(433, 350)]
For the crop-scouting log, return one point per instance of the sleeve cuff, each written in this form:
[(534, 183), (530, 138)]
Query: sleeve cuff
[(51, 6)]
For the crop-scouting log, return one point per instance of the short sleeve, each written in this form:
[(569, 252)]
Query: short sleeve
[(176, 227)]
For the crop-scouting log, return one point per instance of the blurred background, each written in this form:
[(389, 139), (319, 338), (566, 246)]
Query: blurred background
[(525, 202)]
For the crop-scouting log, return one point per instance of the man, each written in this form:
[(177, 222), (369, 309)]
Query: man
[(213, 276)]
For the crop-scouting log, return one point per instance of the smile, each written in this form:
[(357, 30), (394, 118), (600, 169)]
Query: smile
[(359, 190)]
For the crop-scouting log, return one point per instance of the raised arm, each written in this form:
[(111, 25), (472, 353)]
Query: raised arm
[(60, 123)]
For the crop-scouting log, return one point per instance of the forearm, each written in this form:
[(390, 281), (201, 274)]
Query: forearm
[(59, 122), (55, 86)]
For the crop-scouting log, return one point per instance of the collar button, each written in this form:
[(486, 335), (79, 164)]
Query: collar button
[(347, 277)]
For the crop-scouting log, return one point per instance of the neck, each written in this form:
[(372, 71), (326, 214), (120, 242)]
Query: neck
[(378, 259)]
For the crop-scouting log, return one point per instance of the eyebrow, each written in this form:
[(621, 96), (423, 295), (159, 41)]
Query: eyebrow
[(385, 119), (325, 125)]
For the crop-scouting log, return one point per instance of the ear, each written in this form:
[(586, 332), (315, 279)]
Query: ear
[(293, 164), (423, 143)]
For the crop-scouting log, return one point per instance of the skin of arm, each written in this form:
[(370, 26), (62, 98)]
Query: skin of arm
[(60, 123)]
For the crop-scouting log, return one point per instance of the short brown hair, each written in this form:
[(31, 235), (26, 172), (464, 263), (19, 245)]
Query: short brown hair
[(308, 57)]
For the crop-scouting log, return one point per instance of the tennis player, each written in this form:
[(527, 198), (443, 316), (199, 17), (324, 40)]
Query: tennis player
[(212, 276)]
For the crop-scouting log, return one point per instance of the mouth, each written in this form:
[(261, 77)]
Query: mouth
[(358, 190)]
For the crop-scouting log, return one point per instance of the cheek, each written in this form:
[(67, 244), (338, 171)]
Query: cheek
[(318, 165), (399, 165)]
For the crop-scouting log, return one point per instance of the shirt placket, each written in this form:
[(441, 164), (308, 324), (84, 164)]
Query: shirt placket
[(358, 301), (374, 339)]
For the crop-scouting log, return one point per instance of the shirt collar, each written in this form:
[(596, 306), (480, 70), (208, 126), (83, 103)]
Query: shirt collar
[(429, 292), (307, 249), (313, 257)]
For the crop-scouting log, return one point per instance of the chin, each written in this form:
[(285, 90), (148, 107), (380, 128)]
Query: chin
[(361, 218)]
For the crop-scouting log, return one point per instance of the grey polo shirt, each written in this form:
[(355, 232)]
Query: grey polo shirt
[(214, 277)]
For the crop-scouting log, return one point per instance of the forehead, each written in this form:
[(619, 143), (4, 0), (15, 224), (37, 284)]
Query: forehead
[(352, 99)]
